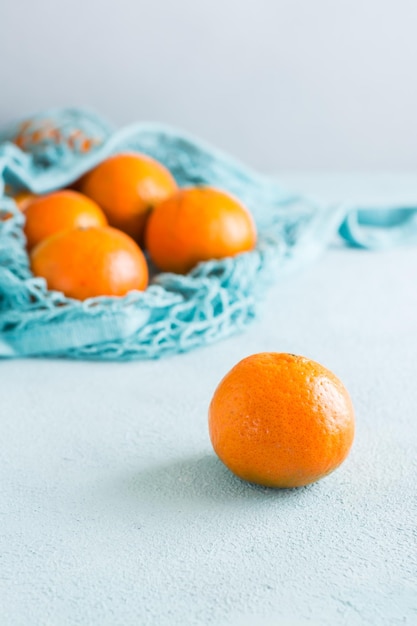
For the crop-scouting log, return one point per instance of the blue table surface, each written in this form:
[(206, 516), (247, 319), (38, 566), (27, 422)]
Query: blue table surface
[(115, 511)]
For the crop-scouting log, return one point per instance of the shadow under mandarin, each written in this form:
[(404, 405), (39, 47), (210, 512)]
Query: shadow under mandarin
[(194, 482)]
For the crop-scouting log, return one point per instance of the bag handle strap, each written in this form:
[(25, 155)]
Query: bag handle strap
[(377, 229)]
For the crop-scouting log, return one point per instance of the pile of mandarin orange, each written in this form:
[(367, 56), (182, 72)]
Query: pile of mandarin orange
[(91, 240)]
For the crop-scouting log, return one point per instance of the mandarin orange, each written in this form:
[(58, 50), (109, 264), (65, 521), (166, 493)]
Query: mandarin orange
[(281, 420), (88, 262), (127, 186), (198, 224), (58, 211)]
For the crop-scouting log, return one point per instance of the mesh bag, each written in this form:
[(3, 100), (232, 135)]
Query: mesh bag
[(176, 313)]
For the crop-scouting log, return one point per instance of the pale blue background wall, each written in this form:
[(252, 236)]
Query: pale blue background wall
[(310, 84)]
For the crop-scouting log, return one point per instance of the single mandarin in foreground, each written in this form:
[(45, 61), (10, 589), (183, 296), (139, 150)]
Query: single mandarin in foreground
[(88, 262), (58, 211), (198, 224), (281, 420), (127, 187)]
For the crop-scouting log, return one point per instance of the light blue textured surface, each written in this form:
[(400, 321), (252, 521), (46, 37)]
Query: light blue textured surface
[(176, 313), (116, 512)]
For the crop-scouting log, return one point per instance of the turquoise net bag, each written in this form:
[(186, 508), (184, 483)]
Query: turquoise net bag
[(176, 313)]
